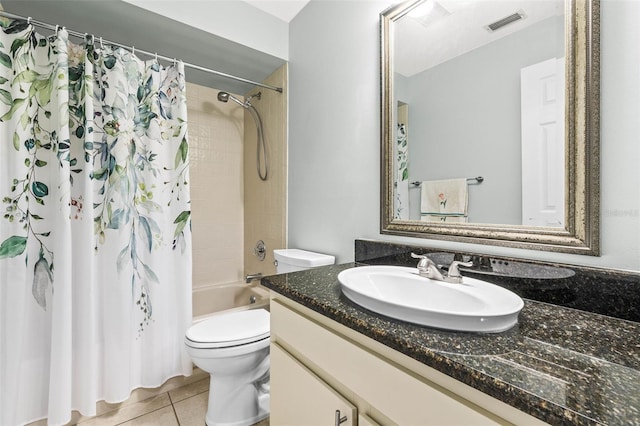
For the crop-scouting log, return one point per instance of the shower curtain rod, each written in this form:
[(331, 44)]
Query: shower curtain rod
[(133, 49)]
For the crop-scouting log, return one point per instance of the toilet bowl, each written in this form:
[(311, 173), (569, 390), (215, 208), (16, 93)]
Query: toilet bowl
[(234, 349)]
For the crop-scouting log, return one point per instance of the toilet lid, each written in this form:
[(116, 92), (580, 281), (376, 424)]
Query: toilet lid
[(232, 329)]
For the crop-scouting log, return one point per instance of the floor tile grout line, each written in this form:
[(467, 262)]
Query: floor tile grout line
[(173, 407), (190, 396), (142, 415), (148, 412)]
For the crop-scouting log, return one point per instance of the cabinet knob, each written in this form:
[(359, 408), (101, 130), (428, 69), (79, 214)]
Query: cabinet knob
[(340, 420)]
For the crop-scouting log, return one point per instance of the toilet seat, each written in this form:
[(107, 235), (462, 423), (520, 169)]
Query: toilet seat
[(229, 330)]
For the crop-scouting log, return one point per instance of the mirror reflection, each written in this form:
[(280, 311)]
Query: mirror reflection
[(540, 171), (478, 91)]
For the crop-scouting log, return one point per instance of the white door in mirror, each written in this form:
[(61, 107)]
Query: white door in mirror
[(542, 110)]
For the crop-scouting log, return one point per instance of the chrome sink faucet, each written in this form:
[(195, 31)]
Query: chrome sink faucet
[(427, 268)]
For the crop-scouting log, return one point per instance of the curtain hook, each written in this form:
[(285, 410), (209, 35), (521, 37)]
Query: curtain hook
[(101, 45), (57, 28), (93, 39), (133, 50), (29, 20), (156, 56)]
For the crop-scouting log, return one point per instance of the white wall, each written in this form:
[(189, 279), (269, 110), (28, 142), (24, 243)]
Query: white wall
[(334, 134)]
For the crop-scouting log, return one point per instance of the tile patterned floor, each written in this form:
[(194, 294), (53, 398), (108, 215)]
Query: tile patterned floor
[(181, 401)]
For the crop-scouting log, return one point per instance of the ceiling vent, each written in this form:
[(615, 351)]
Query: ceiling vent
[(505, 21)]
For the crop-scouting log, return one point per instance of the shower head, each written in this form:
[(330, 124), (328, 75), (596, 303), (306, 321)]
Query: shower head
[(262, 149), (224, 97)]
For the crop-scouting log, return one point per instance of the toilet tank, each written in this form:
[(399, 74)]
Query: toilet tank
[(291, 260)]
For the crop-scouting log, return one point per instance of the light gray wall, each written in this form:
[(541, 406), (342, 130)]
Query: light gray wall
[(464, 120), (333, 126), (334, 134)]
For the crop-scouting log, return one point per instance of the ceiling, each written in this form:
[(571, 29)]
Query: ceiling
[(460, 27)]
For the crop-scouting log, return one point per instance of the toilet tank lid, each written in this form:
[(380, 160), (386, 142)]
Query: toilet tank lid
[(303, 258)]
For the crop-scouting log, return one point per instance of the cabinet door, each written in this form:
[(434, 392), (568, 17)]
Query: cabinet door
[(299, 397)]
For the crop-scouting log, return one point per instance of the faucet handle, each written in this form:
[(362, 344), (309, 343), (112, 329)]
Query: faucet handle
[(424, 260), (454, 270)]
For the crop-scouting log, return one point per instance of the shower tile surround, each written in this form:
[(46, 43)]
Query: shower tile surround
[(572, 364), (265, 201), (231, 206), (216, 132)]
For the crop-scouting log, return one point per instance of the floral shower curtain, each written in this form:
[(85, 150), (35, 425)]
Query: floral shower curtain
[(95, 244), (401, 205)]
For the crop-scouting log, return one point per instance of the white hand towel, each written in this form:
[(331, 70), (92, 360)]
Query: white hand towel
[(444, 199)]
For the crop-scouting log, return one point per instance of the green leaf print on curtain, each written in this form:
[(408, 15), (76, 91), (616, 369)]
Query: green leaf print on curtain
[(95, 233), (401, 201), (137, 111), (133, 109), (32, 69)]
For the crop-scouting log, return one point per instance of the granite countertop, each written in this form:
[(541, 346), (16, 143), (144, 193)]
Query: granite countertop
[(561, 365)]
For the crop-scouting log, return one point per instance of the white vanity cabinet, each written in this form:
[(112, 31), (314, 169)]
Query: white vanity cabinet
[(319, 366), (302, 398)]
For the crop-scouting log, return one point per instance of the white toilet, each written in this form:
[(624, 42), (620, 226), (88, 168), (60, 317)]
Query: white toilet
[(234, 349), (291, 260)]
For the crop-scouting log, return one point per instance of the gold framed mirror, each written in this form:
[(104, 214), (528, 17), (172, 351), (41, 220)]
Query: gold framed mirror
[(556, 209)]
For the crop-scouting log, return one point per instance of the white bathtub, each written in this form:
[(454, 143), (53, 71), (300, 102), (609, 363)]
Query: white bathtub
[(215, 298)]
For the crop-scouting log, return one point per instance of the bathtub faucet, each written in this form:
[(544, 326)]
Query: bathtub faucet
[(252, 277)]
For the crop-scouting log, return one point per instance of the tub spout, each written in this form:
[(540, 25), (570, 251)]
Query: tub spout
[(252, 277)]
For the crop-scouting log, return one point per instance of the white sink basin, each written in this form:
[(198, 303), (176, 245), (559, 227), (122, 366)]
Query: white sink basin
[(400, 293)]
